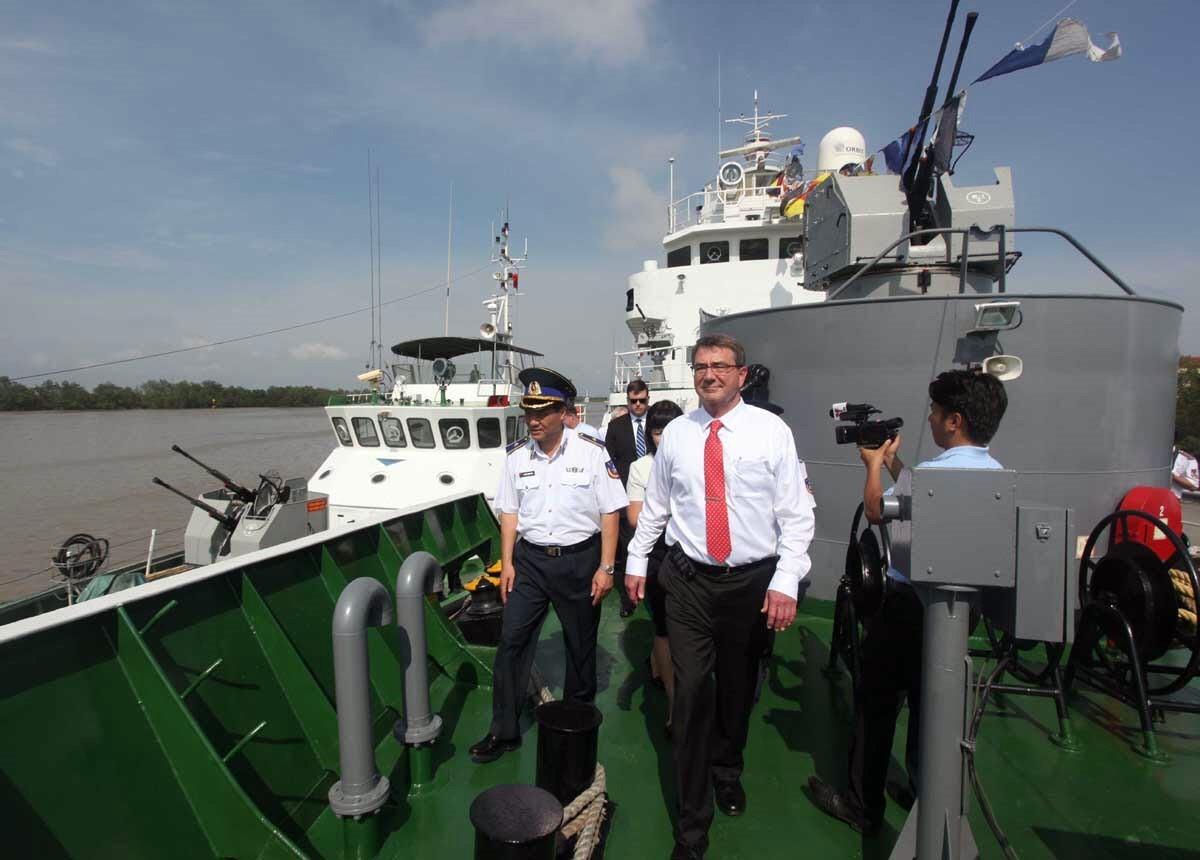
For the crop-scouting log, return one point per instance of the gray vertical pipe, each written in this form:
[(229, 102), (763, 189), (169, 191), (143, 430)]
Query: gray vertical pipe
[(420, 574), (943, 709), (363, 603)]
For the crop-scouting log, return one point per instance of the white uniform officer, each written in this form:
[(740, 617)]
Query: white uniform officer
[(559, 499)]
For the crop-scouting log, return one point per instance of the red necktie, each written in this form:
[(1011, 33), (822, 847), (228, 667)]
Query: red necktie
[(716, 515)]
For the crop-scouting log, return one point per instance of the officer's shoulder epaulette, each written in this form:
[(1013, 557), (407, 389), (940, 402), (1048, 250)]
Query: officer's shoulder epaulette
[(513, 446), (589, 438)]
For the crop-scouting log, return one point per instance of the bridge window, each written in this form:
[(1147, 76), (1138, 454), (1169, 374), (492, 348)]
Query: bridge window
[(629, 300), (343, 432), (754, 249), (679, 257), (421, 433), (488, 430), (364, 429), (789, 246), (455, 433), (714, 252), (393, 432)]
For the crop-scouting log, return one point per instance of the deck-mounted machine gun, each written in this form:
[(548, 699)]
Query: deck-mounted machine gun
[(235, 520)]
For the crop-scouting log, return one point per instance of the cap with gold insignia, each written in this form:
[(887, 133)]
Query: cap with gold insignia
[(544, 387)]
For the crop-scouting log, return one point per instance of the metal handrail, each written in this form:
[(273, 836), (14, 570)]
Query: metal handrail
[(713, 203), (1001, 255)]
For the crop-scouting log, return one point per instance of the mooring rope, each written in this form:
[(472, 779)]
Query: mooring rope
[(583, 817)]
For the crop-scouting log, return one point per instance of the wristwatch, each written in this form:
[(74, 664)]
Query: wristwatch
[(608, 568)]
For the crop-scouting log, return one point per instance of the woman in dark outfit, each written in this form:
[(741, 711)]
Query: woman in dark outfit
[(657, 418)]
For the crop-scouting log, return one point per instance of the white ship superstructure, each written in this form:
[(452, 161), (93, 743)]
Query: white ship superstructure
[(737, 245), (442, 427)]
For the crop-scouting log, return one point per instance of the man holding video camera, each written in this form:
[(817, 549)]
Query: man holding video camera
[(964, 415)]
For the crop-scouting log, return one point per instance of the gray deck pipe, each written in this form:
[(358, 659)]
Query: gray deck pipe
[(420, 574), (361, 790)]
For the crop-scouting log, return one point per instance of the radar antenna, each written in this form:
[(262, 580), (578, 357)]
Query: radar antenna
[(498, 327), (758, 143)]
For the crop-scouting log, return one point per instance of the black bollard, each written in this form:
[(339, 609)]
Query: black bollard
[(568, 737), (516, 822)]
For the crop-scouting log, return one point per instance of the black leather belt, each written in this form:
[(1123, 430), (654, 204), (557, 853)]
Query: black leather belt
[(556, 551), (726, 569)]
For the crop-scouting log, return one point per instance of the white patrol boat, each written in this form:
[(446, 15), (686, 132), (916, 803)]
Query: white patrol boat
[(443, 426), (736, 246)]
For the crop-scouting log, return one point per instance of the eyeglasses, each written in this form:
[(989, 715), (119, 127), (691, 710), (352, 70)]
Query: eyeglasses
[(639, 399), (719, 368)]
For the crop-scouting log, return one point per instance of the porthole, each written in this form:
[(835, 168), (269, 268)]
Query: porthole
[(378, 478), (446, 478), (324, 475)]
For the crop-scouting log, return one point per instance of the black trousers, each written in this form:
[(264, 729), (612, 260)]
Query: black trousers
[(891, 664), (718, 635), (564, 582)]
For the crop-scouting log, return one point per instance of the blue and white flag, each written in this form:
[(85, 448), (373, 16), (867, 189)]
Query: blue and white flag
[(1069, 37), (894, 153)]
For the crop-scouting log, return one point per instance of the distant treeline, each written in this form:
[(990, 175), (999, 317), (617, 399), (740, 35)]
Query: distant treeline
[(155, 394), (1187, 404)]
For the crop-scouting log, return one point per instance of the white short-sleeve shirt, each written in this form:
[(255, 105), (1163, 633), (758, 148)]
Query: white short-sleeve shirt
[(559, 500)]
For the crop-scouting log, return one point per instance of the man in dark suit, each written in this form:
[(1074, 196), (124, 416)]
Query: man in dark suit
[(626, 442)]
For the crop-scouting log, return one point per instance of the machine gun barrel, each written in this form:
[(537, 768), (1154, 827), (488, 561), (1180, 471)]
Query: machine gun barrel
[(230, 523), (243, 494), (927, 105), (919, 190)]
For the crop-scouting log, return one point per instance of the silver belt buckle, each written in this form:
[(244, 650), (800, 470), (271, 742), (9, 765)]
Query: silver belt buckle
[(553, 551)]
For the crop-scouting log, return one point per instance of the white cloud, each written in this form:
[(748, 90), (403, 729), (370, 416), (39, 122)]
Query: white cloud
[(38, 154), (613, 32), (316, 351), (638, 211)]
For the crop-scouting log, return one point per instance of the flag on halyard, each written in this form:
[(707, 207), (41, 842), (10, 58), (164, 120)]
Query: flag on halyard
[(947, 131), (894, 152), (1069, 37)]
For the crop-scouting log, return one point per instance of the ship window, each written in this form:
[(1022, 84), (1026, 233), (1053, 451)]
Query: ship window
[(629, 300), (510, 428), (488, 430), (679, 257), (364, 429), (754, 249), (393, 432), (421, 432), (790, 245), (714, 252), (455, 433), (343, 432)]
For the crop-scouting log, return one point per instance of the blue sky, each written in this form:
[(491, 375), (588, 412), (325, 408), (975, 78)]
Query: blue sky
[(176, 173)]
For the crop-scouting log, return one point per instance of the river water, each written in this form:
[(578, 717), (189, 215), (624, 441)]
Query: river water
[(69, 472)]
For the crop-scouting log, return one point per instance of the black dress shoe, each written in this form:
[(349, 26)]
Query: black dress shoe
[(829, 801), (731, 797), (491, 748), (682, 852)]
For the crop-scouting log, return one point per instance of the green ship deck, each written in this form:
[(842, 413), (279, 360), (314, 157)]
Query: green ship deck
[(199, 722)]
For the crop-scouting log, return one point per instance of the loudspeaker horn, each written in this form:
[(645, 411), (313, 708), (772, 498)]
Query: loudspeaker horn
[(1003, 367), (487, 331)]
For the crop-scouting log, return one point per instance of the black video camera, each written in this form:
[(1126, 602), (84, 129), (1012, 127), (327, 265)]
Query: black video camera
[(863, 430)]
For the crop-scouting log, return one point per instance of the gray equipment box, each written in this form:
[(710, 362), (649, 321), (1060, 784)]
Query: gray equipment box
[(964, 527), (1042, 606)]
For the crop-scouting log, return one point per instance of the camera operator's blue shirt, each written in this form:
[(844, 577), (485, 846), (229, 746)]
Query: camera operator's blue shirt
[(900, 532)]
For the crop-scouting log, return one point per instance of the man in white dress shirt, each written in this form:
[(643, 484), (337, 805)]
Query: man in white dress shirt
[(559, 499), (728, 488)]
